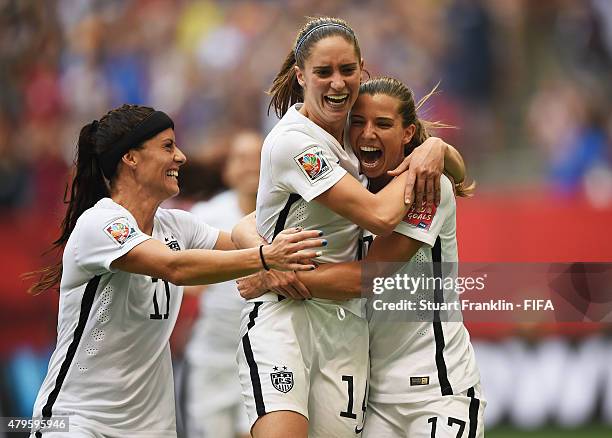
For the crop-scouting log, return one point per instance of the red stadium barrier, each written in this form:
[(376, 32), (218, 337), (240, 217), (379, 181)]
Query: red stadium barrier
[(532, 227)]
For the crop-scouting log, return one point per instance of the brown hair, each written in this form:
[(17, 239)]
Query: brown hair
[(285, 89), (408, 110), (88, 184)]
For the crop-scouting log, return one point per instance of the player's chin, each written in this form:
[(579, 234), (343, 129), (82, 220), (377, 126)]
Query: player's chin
[(336, 113), (172, 191), (373, 170)]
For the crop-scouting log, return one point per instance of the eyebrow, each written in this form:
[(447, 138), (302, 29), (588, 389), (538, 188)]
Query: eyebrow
[(352, 64), (378, 119)]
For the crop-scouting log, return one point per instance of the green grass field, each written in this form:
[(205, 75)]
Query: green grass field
[(592, 431)]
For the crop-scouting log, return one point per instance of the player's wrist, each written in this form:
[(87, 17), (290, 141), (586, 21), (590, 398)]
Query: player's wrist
[(262, 258)]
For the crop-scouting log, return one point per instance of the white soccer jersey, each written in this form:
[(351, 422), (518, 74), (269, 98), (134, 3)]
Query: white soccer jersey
[(300, 161), (418, 359), (111, 370)]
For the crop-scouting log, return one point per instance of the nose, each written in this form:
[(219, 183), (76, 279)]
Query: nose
[(338, 82), (368, 131), (179, 156)]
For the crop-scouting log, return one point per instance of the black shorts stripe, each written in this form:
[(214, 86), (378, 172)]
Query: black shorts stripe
[(445, 386), (253, 314), (86, 305), (253, 370), (474, 406)]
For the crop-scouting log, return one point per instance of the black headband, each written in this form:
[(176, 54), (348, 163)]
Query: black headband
[(146, 129), (307, 34)]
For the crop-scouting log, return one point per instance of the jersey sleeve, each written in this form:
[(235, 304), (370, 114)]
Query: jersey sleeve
[(424, 223), (198, 234), (302, 165), (103, 236)]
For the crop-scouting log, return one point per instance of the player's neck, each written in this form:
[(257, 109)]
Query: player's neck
[(141, 205), (335, 129), (377, 184)]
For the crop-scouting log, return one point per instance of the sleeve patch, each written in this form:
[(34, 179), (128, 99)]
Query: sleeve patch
[(120, 230), (313, 164), (420, 217)]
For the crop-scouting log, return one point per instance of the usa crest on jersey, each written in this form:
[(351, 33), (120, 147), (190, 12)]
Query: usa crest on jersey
[(282, 380)]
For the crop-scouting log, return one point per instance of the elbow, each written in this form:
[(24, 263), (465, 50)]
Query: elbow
[(235, 238), (173, 273), (355, 288), (354, 291), (384, 219), (177, 278), (238, 238), (383, 226)]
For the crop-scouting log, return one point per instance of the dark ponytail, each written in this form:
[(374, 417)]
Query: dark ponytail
[(88, 184), (285, 89)]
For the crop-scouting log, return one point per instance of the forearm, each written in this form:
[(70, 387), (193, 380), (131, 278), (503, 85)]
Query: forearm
[(188, 267), (378, 213), (334, 281), (193, 267), (454, 164)]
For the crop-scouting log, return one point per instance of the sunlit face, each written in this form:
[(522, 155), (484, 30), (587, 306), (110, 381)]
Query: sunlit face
[(377, 135), (157, 163), (330, 80), (242, 168)]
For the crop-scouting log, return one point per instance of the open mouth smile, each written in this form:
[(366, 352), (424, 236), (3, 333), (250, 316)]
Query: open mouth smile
[(336, 100), (370, 155)]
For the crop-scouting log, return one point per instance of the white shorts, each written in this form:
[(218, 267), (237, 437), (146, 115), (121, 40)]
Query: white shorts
[(308, 357), (449, 416), (214, 406)]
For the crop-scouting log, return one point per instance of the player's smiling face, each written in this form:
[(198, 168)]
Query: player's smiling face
[(158, 163), (330, 80), (377, 135)]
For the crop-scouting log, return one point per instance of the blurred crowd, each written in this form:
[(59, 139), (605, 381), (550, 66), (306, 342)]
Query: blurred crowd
[(526, 83)]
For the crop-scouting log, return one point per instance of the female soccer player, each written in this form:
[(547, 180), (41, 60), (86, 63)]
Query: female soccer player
[(303, 365), (423, 377), (123, 265)]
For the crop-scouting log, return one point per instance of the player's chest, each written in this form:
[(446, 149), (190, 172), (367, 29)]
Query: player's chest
[(154, 299)]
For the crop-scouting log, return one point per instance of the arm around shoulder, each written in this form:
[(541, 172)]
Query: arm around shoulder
[(378, 213)]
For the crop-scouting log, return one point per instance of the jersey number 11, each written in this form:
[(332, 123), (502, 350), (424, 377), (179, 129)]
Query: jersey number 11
[(158, 315)]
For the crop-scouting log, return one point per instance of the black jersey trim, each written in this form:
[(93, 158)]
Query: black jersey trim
[(254, 371), (86, 305), (474, 406), (445, 386), (282, 220), (282, 216)]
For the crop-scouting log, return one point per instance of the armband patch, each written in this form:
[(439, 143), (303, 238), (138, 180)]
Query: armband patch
[(313, 164), (420, 217), (120, 230)]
